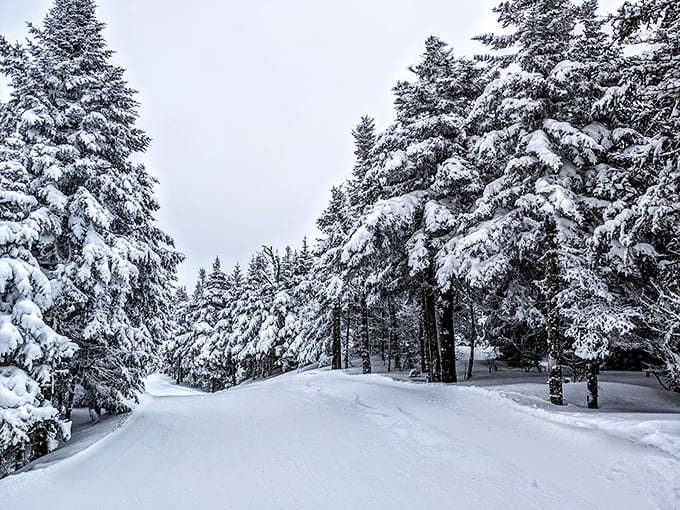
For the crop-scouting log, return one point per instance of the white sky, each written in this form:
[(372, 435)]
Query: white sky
[(250, 104)]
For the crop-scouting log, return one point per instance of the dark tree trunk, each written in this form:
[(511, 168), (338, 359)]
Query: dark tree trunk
[(430, 334), (394, 340), (591, 378), (20, 457), (424, 365), (447, 341), (365, 345), (427, 344), (336, 342), (552, 320), (178, 372), (231, 370), (384, 341), (349, 314), (434, 339), (390, 353), (70, 396), (390, 333), (473, 340)]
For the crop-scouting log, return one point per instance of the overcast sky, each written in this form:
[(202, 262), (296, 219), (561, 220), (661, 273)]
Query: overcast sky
[(251, 104)]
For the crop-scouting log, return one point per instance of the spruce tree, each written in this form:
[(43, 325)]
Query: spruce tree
[(419, 164), (361, 192), (110, 263), (641, 235), (537, 147), (31, 352), (210, 361), (172, 347)]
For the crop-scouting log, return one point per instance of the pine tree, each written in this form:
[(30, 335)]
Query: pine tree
[(172, 347), (196, 333), (31, 352), (361, 192), (112, 266), (329, 295), (642, 232), (210, 362), (417, 162), (362, 188), (537, 147)]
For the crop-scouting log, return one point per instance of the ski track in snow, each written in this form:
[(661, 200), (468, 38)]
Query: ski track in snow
[(328, 440)]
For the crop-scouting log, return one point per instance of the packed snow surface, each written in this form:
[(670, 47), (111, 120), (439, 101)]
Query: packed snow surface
[(330, 440)]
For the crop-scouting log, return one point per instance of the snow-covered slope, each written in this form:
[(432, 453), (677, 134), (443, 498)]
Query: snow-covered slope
[(329, 440)]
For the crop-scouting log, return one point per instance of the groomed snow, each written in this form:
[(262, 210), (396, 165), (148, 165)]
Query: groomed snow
[(331, 440)]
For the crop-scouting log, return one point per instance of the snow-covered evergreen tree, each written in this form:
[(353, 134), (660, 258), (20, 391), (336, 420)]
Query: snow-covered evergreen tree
[(31, 352), (172, 347), (326, 296), (361, 192), (211, 363), (196, 332), (111, 266), (222, 351), (417, 162), (536, 146), (641, 232)]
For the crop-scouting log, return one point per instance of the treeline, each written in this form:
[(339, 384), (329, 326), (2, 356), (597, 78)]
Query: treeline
[(527, 199), (86, 275)]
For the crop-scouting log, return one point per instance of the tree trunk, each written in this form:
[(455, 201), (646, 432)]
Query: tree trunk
[(591, 378), (427, 344), (552, 322), (473, 340), (336, 342), (68, 404), (178, 370), (20, 457), (365, 346), (231, 369), (394, 341), (384, 341), (430, 334), (424, 365), (349, 314), (390, 334), (447, 341)]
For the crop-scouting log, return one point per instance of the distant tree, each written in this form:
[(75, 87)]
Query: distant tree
[(330, 296), (211, 367), (172, 348), (196, 333)]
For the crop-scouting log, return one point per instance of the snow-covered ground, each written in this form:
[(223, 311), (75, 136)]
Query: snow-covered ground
[(331, 440)]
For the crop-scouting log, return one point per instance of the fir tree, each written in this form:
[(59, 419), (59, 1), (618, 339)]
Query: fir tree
[(196, 332), (643, 227), (417, 161), (112, 266), (329, 295), (172, 348), (31, 352), (536, 148)]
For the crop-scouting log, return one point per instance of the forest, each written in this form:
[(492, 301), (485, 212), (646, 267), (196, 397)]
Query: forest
[(526, 200)]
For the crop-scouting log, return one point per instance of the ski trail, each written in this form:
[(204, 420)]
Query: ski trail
[(322, 440)]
